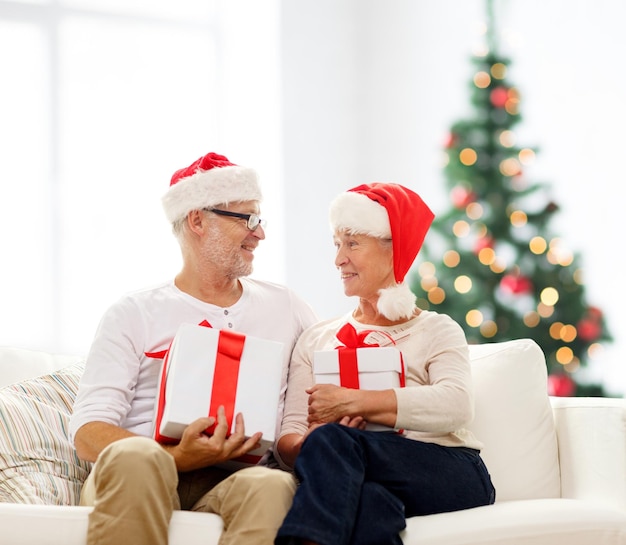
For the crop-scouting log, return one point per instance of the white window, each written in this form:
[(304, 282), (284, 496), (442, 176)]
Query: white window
[(100, 102)]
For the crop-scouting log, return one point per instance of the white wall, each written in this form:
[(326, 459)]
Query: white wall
[(370, 88), (321, 95)]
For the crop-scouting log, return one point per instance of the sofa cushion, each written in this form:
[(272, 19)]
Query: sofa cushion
[(38, 464), (514, 419), (18, 364)]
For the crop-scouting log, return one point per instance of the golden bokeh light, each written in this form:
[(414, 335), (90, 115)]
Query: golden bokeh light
[(559, 255), (481, 230), (538, 245), (461, 228), (474, 210), (488, 329), (474, 318), (545, 311), (563, 332), (526, 156), (518, 218), (568, 333), (595, 350), (578, 276), (451, 258), (487, 256), (482, 80), (532, 319), (549, 296), (498, 266), (468, 156), (564, 355), (510, 167), (512, 104), (498, 70), (436, 296), (573, 365), (555, 330), (463, 283), (426, 269), (507, 139), (429, 282)]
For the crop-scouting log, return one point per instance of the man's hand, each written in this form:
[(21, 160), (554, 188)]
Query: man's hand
[(196, 449)]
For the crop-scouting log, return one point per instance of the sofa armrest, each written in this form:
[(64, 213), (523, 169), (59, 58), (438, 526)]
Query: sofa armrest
[(591, 435)]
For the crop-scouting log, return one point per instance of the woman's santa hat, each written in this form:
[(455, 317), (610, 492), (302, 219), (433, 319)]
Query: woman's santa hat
[(388, 211), (211, 180)]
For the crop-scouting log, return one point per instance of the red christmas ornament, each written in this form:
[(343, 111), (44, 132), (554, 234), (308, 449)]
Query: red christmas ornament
[(561, 386), (516, 284), (451, 140), (589, 330), (594, 313), (499, 97), (461, 196)]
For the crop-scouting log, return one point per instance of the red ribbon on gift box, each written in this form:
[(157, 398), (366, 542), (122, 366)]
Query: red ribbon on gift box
[(225, 377), (348, 363)]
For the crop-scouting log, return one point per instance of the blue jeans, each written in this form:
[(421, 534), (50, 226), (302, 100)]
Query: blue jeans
[(357, 487)]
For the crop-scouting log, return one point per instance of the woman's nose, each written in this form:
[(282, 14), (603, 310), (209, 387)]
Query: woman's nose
[(340, 258)]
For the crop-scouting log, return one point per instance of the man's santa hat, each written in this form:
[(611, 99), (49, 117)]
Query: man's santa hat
[(211, 180), (388, 211)]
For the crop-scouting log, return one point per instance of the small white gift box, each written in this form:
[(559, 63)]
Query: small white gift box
[(205, 368), (364, 367)]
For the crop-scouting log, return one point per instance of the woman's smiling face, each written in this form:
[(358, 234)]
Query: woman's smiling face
[(365, 263)]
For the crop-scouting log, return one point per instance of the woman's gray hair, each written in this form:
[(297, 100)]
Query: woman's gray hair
[(385, 242)]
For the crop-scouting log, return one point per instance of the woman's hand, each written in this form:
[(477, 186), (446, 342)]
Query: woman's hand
[(330, 403)]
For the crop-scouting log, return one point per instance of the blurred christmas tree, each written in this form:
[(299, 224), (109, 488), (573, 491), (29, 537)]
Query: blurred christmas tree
[(490, 261)]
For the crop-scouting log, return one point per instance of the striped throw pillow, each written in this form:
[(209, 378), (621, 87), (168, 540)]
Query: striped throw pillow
[(38, 463)]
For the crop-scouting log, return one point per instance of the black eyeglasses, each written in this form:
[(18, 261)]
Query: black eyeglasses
[(252, 220)]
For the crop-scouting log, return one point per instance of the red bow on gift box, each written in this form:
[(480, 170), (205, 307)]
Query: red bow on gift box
[(348, 362)]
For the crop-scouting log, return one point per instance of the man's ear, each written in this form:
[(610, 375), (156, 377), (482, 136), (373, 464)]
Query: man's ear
[(194, 220)]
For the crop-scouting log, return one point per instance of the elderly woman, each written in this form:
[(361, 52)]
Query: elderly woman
[(357, 486)]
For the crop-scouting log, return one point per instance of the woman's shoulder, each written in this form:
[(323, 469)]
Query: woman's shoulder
[(323, 330), (432, 318)]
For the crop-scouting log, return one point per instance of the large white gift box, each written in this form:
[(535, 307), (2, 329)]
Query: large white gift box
[(364, 367), (205, 368)]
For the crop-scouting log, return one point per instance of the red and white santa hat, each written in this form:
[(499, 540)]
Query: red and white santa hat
[(387, 210), (209, 181)]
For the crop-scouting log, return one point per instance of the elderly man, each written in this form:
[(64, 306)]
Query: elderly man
[(136, 483)]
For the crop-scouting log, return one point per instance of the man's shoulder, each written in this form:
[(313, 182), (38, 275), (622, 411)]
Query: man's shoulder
[(147, 292), (281, 297), (142, 297), (267, 288)]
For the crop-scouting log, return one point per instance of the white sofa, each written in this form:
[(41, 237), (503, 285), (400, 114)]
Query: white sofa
[(558, 464)]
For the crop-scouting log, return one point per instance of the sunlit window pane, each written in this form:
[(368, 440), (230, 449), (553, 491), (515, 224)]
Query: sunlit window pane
[(145, 97), (198, 10), (38, 2), (26, 274)]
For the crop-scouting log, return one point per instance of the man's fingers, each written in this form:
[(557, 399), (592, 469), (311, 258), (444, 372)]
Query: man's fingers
[(198, 426)]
